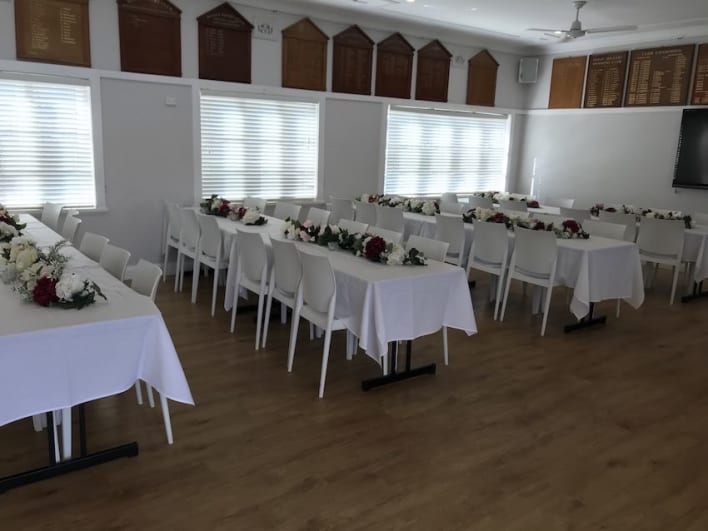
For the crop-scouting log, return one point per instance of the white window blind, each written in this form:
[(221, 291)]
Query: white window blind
[(430, 152), (46, 144), (259, 148)]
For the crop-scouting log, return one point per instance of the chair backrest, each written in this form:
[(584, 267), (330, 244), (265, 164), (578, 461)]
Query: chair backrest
[(480, 202), (661, 237), (287, 269), (559, 202), (390, 218), (547, 218), (115, 261), (255, 202), (700, 218), (535, 251), (447, 207), (191, 232), (353, 227), (449, 197), (286, 210), (318, 216), (450, 229), (174, 221), (366, 213), (71, 225), (252, 255), (513, 206), (432, 249), (319, 288), (628, 220), (388, 235), (145, 277), (342, 208), (578, 214), (604, 229), (50, 215), (211, 243), (490, 243), (92, 245)]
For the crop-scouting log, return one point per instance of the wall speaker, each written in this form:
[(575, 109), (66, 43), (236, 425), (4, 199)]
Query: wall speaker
[(528, 69)]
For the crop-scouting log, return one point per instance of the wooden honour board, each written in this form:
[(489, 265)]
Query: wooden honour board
[(482, 79), (567, 83), (150, 40), (604, 86), (305, 56), (394, 67), (352, 61), (700, 79), (53, 31), (224, 45), (659, 76), (433, 73)]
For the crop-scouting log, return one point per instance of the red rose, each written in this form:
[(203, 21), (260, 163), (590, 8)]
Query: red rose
[(374, 247), (372, 199), (224, 209), (540, 225), (610, 209), (571, 225), (45, 291), (532, 204), (241, 212), (499, 217)]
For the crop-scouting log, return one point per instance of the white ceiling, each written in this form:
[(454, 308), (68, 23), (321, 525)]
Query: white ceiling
[(508, 19)]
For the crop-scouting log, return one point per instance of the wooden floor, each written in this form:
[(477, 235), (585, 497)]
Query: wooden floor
[(603, 429)]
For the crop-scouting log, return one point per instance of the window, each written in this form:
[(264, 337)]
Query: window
[(429, 152), (46, 144), (259, 148)]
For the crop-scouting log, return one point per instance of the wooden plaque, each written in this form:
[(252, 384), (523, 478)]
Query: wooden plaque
[(433, 74), (352, 60), (482, 79), (659, 76), (305, 56), (150, 39), (394, 67), (604, 86), (53, 31), (567, 83), (224, 45), (700, 79)]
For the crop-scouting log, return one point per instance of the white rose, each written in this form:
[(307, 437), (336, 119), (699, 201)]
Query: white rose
[(69, 285), (396, 256), (25, 258), (429, 208), (251, 216), (7, 230), (364, 198)]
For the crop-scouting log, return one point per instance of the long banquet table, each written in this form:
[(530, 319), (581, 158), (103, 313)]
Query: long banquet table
[(53, 359)]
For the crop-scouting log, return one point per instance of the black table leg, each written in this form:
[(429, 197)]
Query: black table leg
[(587, 321), (394, 375), (698, 293)]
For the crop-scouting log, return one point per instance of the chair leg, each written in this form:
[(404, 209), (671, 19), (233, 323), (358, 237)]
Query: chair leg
[(259, 319), (312, 331), (215, 290), (674, 283), (66, 433), (546, 307), (619, 306), (195, 279), (500, 287), (164, 266), (181, 274), (444, 332), (269, 305), (177, 271), (151, 398), (506, 297), (37, 422), (293, 339), (166, 418), (283, 313), (235, 304), (325, 359), (139, 392)]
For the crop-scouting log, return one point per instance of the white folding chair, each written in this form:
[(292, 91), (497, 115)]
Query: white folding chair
[(451, 229), (449, 197), (255, 202), (115, 261), (341, 209), (318, 216), (211, 254), (490, 253), (604, 229), (174, 227), (533, 261), (315, 301), (353, 227), (513, 206), (68, 230), (50, 215), (480, 202), (366, 213), (92, 245), (577, 214), (628, 220), (189, 236), (388, 235), (448, 207), (661, 241), (285, 276), (432, 249), (559, 202), (252, 274), (390, 218), (286, 210), (699, 218)]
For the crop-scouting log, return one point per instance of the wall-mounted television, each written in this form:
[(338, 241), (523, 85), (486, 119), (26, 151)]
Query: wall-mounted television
[(691, 170)]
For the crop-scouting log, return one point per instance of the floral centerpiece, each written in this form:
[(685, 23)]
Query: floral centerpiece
[(427, 207), (369, 198), (567, 229), (306, 232), (10, 226), (216, 206), (249, 216), (487, 214), (621, 208), (668, 214), (643, 212), (486, 195)]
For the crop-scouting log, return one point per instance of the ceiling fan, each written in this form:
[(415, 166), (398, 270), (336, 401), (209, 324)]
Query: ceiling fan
[(576, 27)]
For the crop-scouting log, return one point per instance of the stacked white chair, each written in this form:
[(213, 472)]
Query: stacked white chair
[(451, 229), (447, 207), (604, 229), (449, 197), (174, 229), (390, 218), (315, 301), (559, 202), (388, 235), (480, 202), (50, 215), (490, 253), (70, 227), (251, 274), (189, 236), (700, 218), (286, 210), (115, 261), (533, 261), (255, 202), (353, 227), (285, 277), (366, 213), (92, 245), (318, 216), (211, 254), (507, 205), (660, 242), (628, 220), (342, 208), (577, 214)]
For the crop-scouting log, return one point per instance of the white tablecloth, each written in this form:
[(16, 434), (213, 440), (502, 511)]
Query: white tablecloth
[(695, 249), (51, 358), (382, 303)]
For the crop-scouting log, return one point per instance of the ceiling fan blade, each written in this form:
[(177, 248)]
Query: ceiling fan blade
[(559, 36), (610, 29), (546, 30)]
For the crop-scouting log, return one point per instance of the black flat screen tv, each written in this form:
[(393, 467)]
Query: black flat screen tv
[(691, 170)]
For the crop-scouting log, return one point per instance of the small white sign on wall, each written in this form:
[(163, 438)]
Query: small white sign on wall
[(265, 28)]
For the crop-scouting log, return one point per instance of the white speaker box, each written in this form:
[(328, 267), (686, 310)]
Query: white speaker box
[(528, 70)]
